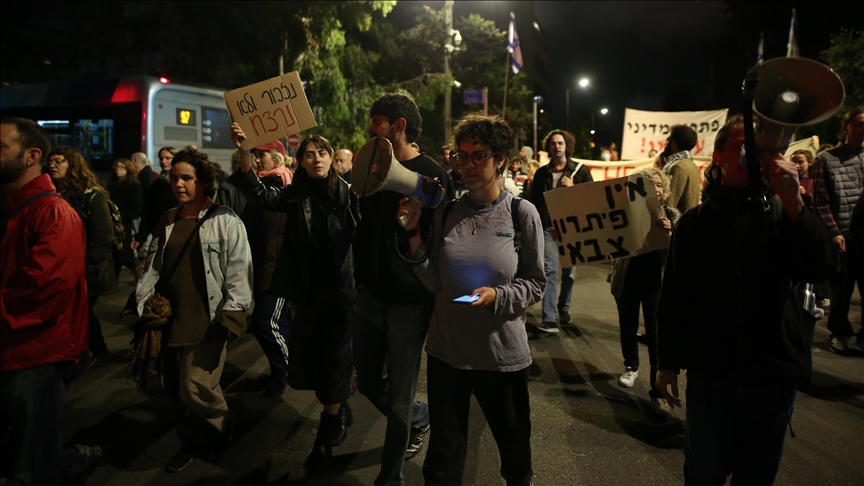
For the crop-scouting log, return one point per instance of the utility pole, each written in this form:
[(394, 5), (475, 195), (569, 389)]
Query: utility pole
[(448, 49)]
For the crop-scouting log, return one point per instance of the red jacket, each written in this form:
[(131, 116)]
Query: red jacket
[(43, 290)]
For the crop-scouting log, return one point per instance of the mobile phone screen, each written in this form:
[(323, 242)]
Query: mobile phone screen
[(465, 299)]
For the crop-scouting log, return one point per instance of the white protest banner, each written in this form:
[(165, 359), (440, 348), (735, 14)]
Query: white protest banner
[(601, 220), (271, 109), (603, 171), (648, 130)]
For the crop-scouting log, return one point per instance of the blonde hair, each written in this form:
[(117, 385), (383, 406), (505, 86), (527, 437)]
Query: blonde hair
[(651, 173)]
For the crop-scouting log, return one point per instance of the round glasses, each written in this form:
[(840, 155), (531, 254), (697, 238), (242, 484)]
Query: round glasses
[(478, 158)]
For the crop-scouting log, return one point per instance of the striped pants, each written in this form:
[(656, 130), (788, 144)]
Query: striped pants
[(270, 326)]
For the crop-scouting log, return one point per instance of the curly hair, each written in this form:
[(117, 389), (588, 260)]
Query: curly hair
[(205, 171), (569, 141), (651, 173), (491, 130), (79, 178), (395, 106), (131, 173), (684, 136)]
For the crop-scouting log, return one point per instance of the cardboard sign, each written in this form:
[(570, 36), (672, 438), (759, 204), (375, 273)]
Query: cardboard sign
[(647, 130), (271, 109), (602, 220)]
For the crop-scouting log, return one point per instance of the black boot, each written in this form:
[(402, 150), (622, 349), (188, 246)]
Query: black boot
[(346, 419), (328, 430)]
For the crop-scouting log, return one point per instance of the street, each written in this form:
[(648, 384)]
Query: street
[(586, 429)]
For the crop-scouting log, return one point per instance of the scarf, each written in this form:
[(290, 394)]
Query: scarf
[(282, 171), (684, 154)]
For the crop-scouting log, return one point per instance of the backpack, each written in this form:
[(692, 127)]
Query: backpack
[(116, 220)]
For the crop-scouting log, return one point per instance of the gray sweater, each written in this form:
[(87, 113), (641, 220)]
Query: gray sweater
[(489, 338)]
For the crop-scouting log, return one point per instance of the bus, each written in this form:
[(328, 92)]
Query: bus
[(106, 119)]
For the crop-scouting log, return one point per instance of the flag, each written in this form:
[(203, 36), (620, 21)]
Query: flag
[(792, 46), (513, 45), (761, 52)]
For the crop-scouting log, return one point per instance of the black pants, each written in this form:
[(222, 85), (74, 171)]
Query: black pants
[(94, 329), (842, 285), (628, 320), (503, 397)]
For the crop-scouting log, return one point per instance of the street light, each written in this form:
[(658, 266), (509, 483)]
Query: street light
[(583, 83), (537, 99), (604, 111)]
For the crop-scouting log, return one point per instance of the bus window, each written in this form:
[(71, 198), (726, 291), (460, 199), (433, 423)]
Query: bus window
[(216, 128)]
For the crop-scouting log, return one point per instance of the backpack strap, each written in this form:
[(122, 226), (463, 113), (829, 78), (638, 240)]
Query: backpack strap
[(517, 231), (32, 198)]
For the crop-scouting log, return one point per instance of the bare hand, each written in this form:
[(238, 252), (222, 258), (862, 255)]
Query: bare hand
[(782, 175), (134, 245), (841, 242), (487, 297), (237, 136), (665, 224), (566, 181), (665, 378), (409, 208), (556, 235)]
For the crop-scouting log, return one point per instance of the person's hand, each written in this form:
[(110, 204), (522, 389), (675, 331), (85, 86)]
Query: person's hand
[(665, 224), (841, 242), (410, 211), (556, 235), (134, 245), (237, 136), (487, 297), (782, 175), (801, 190), (566, 181), (665, 378)]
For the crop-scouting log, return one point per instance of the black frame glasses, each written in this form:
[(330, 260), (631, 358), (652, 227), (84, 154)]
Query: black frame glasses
[(461, 158)]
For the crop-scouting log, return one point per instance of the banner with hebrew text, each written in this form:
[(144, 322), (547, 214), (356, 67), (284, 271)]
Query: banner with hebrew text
[(597, 221), (648, 130), (602, 170)]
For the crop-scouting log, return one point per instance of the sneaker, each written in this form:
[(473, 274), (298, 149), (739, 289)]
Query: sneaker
[(818, 313), (181, 460), (548, 328), (839, 344), (628, 378), (564, 317), (278, 385), (661, 406), (415, 442)]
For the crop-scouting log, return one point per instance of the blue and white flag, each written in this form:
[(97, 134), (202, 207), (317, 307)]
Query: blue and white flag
[(513, 45), (792, 46), (761, 53)]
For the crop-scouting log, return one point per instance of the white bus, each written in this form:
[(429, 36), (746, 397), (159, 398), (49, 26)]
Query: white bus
[(106, 119)]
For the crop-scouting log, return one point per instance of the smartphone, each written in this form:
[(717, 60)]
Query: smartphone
[(466, 299)]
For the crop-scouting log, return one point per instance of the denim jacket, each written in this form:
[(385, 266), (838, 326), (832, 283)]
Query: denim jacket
[(227, 261)]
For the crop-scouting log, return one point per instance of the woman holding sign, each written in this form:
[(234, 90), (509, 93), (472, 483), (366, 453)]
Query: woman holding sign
[(636, 282), (314, 274), (486, 266)]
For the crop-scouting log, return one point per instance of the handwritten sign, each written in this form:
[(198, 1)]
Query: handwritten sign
[(271, 109), (648, 130), (607, 219)]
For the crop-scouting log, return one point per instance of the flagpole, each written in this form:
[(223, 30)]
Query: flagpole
[(506, 76)]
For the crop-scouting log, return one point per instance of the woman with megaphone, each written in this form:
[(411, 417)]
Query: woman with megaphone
[(486, 267), (314, 274)]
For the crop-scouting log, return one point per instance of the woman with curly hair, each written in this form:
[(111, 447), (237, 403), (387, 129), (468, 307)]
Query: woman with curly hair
[(479, 347), (636, 282), (77, 183), (125, 191)]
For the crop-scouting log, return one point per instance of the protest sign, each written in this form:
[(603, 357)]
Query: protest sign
[(607, 219), (811, 144), (271, 109), (647, 130), (603, 171)]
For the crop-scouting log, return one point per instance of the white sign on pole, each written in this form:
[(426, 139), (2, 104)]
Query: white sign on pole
[(648, 130), (607, 219)]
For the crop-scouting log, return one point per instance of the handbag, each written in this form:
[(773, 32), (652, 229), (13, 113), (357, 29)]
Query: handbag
[(145, 369)]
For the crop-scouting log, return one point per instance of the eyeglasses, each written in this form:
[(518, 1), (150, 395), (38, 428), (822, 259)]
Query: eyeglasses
[(57, 162), (478, 158)]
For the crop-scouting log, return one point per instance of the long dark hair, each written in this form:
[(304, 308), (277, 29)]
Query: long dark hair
[(302, 181), (131, 173), (79, 178)]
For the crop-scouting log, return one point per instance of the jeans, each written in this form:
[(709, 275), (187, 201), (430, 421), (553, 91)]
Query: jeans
[(270, 325), (628, 320), (388, 346), (735, 428), (503, 397), (551, 305), (32, 402), (841, 287)]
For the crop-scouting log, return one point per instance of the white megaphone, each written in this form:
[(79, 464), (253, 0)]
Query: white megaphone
[(376, 169), (792, 92)]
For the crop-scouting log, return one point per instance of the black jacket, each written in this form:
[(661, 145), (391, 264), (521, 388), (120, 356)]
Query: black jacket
[(542, 182), (379, 268), (292, 276), (727, 307), (159, 198)]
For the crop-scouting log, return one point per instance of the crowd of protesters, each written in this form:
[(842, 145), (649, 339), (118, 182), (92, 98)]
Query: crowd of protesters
[(340, 294)]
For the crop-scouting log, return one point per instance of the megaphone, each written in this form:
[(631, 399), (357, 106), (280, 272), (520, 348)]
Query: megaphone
[(792, 92), (376, 169)]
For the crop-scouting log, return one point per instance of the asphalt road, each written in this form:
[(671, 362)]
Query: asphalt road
[(586, 429)]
